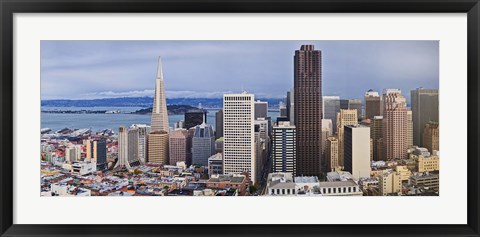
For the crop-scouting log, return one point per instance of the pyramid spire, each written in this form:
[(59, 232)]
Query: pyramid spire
[(159, 110), (159, 69)]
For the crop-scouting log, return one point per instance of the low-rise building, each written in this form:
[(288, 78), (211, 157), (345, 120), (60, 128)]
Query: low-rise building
[(340, 188), (339, 176), (232, 181), (63, 189), (424, 160), (368, 182), (426, 181), (307, 185), (427, 164), (215, 164), (389, 183), (281, 183), (83, 168), (403, 172)]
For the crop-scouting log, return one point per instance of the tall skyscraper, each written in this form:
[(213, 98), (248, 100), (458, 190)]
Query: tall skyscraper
[(177, 146), (284, 152), (283, 110), (409, 129), (291, 106), (127, 147), (395, 124), (331, 154), (344, 117), (262, 130), (357, 151), (190, 133), (425, 109), (431, 135), (159, 110), (373, 104), (158, 148), (203, 144), (308, 109), (376, 133), (219, 124), (194, 118), (122, 147), (97, 152), (143, 131), (344, 104), (238, 134), (357, 105), (327, 128), (331, 106), (261, 109), (261, 145)]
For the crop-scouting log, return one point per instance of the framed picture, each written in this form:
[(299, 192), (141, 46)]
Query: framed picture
[(239, 118)]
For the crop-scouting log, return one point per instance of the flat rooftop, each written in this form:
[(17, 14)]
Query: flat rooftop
[(306, 179), (335, 184)]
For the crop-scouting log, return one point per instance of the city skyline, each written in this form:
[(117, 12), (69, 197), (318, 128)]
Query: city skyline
[(303, 157), (264, 68)]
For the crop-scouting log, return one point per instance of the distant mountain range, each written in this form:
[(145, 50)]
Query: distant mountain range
[(147, 102), (172, 109)]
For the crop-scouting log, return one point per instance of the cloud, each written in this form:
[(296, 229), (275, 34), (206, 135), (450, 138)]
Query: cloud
[(99, 69), (111, 94), (169, 94)]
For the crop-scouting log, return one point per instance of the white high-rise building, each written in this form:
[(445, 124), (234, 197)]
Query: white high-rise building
[(159, 110), (239, 134), (143, 131), (72, 153), (357, 150), (122, 147), (127, 147)]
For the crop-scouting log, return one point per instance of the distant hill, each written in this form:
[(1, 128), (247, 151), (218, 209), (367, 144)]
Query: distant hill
[(146, 102), (172, 109)]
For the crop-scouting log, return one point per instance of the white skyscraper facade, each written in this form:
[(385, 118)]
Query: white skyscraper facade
[(143, 131), (357, 150), (122, 147), (239, 134)]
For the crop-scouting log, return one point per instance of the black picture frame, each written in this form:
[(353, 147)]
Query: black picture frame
[(9, 7)]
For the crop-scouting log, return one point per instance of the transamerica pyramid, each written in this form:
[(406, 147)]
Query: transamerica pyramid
[(159, 110)]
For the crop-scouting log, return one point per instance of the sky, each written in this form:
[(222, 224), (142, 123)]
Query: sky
[(207, 69)]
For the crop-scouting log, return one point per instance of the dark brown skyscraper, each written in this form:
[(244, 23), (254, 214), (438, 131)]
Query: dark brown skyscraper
[(308, 109), (373, 104), (194, 118), (219, 124)]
